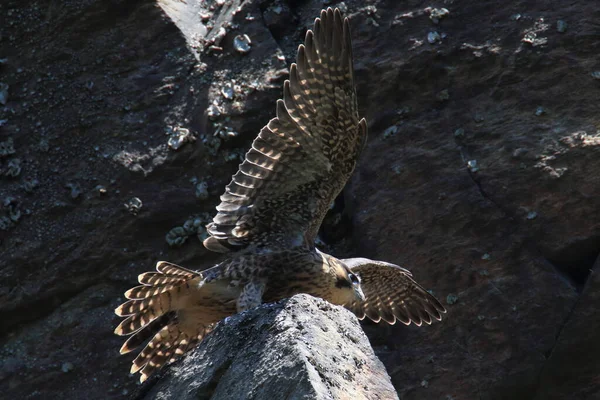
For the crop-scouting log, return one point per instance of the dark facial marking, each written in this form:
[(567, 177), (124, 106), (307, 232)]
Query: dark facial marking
[(343, 282)]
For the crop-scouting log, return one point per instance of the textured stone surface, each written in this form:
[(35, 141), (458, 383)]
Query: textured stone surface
[(94, 86), (300, 348), (572, 368)]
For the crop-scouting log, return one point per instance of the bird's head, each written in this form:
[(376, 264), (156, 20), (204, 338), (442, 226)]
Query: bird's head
[(347, 284)]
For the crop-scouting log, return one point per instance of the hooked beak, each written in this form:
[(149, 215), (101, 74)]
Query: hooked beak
[(359, 293)]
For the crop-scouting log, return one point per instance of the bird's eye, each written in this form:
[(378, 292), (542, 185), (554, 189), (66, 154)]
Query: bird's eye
[(354, 279)]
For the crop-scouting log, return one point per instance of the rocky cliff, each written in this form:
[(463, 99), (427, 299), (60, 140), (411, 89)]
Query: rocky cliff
[(122, 120)]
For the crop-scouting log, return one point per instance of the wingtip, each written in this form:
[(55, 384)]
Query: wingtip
[(125, 349), (330, 13), (119, 330), (300, 52), (324, 13), (129, 295), (438, 305), (119, 310), (141, 276), (389, 321), (337, 18), (280, 109), (134, 368), (363, 125), (308, 38), (346, 24), (161, 264)]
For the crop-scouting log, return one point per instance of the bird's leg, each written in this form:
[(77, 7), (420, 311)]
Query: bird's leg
[(251, 295)]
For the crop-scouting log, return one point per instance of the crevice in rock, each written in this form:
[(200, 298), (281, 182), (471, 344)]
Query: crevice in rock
[(563, 273), (576, 260), (589, 259), (147, 387), (482, 192), (550, 351), (211, 386), (504, 210)]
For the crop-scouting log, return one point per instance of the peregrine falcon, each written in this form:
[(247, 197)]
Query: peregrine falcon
[(269, 217)]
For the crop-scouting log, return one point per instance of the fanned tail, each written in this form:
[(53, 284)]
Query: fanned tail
[(153, 311)]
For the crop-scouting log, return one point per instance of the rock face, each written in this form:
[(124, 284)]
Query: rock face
[(480, 176), (300, 348), (573, 363)]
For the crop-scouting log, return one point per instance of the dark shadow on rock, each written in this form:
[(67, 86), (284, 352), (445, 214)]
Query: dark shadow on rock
[(576, 259)]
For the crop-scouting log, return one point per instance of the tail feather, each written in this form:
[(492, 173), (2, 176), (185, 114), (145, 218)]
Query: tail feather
[(173, 270), (144, 291), (168, 344), (152, 312), (140, 337), (153, 352), (138, 320), (158, 279), (161, 301)]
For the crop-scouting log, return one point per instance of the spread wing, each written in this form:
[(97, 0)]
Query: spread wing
[(302, 159), (391, 294)]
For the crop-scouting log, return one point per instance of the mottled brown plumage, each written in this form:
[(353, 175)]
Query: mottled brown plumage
[(269, 217), (302, 159)]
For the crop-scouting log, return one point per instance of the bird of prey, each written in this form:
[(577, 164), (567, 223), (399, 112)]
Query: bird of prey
[(269, 217)]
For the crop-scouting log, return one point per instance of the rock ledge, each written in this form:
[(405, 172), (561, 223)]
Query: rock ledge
[(299, 348)]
